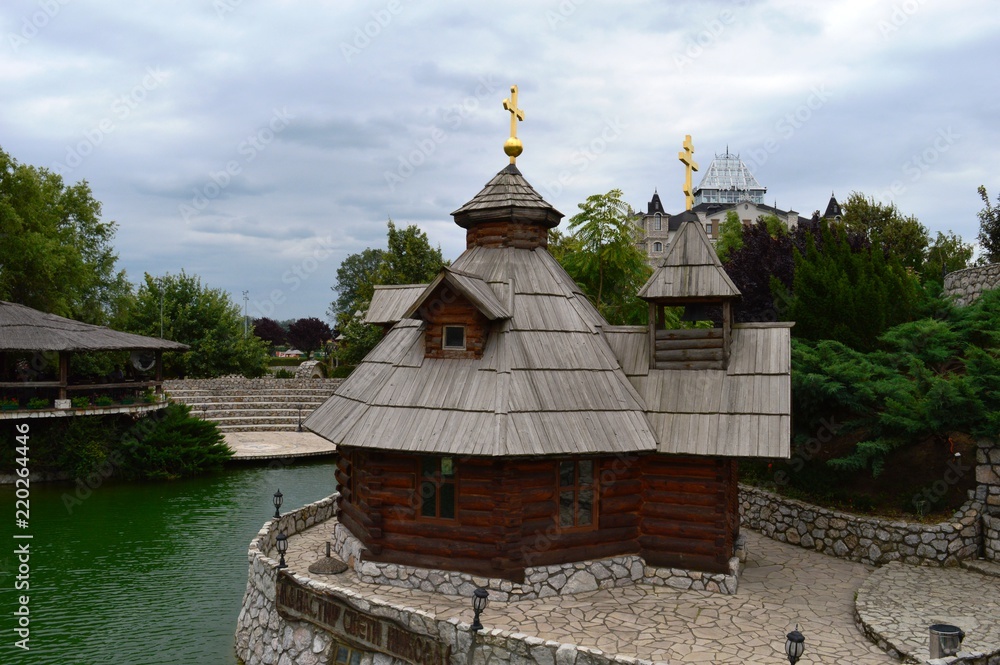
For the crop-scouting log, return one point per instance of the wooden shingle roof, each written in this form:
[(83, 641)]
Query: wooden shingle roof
[(471, 286), (506, 196), (547, 383), (741, 411), (690, 269), (26, 329), (389, 303)]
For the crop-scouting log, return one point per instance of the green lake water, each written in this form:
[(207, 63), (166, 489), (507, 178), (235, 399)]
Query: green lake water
[(141, 573)]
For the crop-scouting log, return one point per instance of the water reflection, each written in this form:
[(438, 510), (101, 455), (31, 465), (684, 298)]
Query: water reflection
[(144, 574)]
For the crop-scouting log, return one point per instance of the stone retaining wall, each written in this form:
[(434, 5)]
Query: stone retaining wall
[(868, 540), (966, 285), (991, 537), (264, 637), (539, 581), (242, 383)]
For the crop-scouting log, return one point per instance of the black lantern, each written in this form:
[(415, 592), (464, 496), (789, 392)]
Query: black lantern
[(277, 503), (794, 645), (480, 599), (281, 541)]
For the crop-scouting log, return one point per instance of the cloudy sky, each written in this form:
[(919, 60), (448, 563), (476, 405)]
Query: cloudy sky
[(257, 143)]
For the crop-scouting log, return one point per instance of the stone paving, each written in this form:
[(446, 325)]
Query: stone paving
[(781, 586), (277, 445), (898, 603)]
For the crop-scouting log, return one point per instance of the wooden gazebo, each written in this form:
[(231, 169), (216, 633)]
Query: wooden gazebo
[(26, 330)]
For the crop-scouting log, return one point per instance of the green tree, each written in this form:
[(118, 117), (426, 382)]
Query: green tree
[(605, 262), (730, 236), (409, 259), (989, 228), (204, 318), (849, 294), (947, 253), (55, 252), (356, 281), (885, 225)]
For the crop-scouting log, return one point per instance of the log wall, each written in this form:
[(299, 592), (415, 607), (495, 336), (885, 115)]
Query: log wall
[(507, 234), (675, 511)]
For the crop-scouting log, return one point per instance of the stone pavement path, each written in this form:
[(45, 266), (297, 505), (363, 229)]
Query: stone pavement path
[(277, 445), (781, 586), (899, 603)]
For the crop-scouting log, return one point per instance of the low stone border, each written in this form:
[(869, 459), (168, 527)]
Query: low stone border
[(539, 581), (263, 637), (991, 537), (869, 540)]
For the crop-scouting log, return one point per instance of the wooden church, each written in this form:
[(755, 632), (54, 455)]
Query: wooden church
[(502, 423)]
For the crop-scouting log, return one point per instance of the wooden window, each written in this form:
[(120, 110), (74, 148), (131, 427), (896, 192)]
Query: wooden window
[(453, 337), (658, 223), (708, 229), (657, 246), (345, 655), (577, 495), (437, 487)]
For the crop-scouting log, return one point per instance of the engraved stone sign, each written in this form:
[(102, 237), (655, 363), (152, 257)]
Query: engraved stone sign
[(367, 631)]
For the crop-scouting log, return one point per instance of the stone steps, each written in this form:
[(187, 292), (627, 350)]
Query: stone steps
[(264, 405)]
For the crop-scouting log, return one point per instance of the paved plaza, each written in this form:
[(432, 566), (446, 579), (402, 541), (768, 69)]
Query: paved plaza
[(277, 445), (782, 586)]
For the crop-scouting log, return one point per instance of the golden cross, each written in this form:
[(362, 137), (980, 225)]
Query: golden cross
[(512, 147), (687, 159)]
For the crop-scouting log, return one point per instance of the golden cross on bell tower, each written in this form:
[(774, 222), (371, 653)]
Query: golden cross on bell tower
[(512, 147), (687, 159)]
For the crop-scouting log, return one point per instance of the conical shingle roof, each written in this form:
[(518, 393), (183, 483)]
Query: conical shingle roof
[(508, 194), (690, 269)]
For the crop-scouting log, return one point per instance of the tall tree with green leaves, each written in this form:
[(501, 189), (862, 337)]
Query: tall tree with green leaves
[(355, 281), (204, 318), (56, 253), (989, 228), (947, 253), (849, 294), (410, 259), (883, 224), (606, 262), (730, 236)]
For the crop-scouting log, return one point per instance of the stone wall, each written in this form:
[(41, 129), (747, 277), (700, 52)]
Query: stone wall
[(539, 581), (966, 285), (264, 637), (868, 540), (988, 475), (241, 383)]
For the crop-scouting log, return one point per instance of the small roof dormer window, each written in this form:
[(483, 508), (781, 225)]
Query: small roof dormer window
[(453, 338)]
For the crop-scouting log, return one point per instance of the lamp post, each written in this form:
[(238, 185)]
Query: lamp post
[(480, 599), (278, 498), (246, 298), (300, 419), (794, 645), (281, 540)]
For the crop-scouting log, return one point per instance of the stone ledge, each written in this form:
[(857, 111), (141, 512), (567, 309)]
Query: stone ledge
[(540, 581)]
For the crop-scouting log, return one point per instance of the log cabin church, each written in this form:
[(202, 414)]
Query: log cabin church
[(502, 426)]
